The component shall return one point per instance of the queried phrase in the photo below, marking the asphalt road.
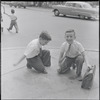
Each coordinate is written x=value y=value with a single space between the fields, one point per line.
x=32 y=21
x=19 y=82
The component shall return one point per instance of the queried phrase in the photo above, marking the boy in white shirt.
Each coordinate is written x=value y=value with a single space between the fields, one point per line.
x=72 y=53
x=13 y=21
x=35 y=56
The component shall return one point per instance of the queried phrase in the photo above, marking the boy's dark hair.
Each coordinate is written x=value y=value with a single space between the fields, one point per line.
x=70 y=30
x=44 y=35
x=12 y=11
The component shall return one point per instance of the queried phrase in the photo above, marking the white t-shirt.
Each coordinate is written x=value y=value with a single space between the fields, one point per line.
x=13 y=17
x=75 y=49
x=33 y=49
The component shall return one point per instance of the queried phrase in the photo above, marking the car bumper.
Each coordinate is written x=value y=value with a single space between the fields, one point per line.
x=95 y=17
x=53 y=10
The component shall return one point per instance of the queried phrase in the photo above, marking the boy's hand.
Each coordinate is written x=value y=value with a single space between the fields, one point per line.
x=89 y=67
x=64 y=54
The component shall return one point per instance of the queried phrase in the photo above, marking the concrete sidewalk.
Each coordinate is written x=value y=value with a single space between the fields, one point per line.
x=22 y=83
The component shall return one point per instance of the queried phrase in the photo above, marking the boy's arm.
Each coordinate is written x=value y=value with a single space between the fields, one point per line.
x=20 y=60
x=86 y=59
x=6 y=14
x=61 y=57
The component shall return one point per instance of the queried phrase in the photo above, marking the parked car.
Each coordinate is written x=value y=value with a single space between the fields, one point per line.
x=17 y=4
x=80 y=9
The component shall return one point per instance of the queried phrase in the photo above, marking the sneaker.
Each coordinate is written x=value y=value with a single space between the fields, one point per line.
x=1 y=29
x=59 y=71
x=45 y=72
x=29 y=67
x=47 y=66
x=79 y=78
x=8 y=29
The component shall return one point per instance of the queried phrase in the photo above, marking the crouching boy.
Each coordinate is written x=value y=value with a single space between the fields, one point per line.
x=72 y=54
x=35 y=56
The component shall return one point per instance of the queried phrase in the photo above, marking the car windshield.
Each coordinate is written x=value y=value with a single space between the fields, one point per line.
x=87 y=6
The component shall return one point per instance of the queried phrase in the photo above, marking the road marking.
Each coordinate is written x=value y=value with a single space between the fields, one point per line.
x=12 y=48
x=12 y=70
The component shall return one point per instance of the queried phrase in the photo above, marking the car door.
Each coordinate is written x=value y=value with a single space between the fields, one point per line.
x=77 y=9
x=67 y=9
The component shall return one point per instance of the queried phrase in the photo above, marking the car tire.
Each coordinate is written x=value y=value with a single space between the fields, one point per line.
x=64 y=15
x=56 y=13
x=19 y=6
x=89 y=18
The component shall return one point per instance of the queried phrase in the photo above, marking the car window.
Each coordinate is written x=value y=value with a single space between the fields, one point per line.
x=78 y=5
x=87 y=6
x=73 y=5
x=69 y=4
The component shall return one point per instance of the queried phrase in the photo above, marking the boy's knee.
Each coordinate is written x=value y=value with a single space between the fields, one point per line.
x=46 y=52
x=80 y=59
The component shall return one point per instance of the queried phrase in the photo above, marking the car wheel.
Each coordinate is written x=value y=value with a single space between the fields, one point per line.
x=19 y=6
x=56 y=12
x=89 y=17
x=64 y=15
